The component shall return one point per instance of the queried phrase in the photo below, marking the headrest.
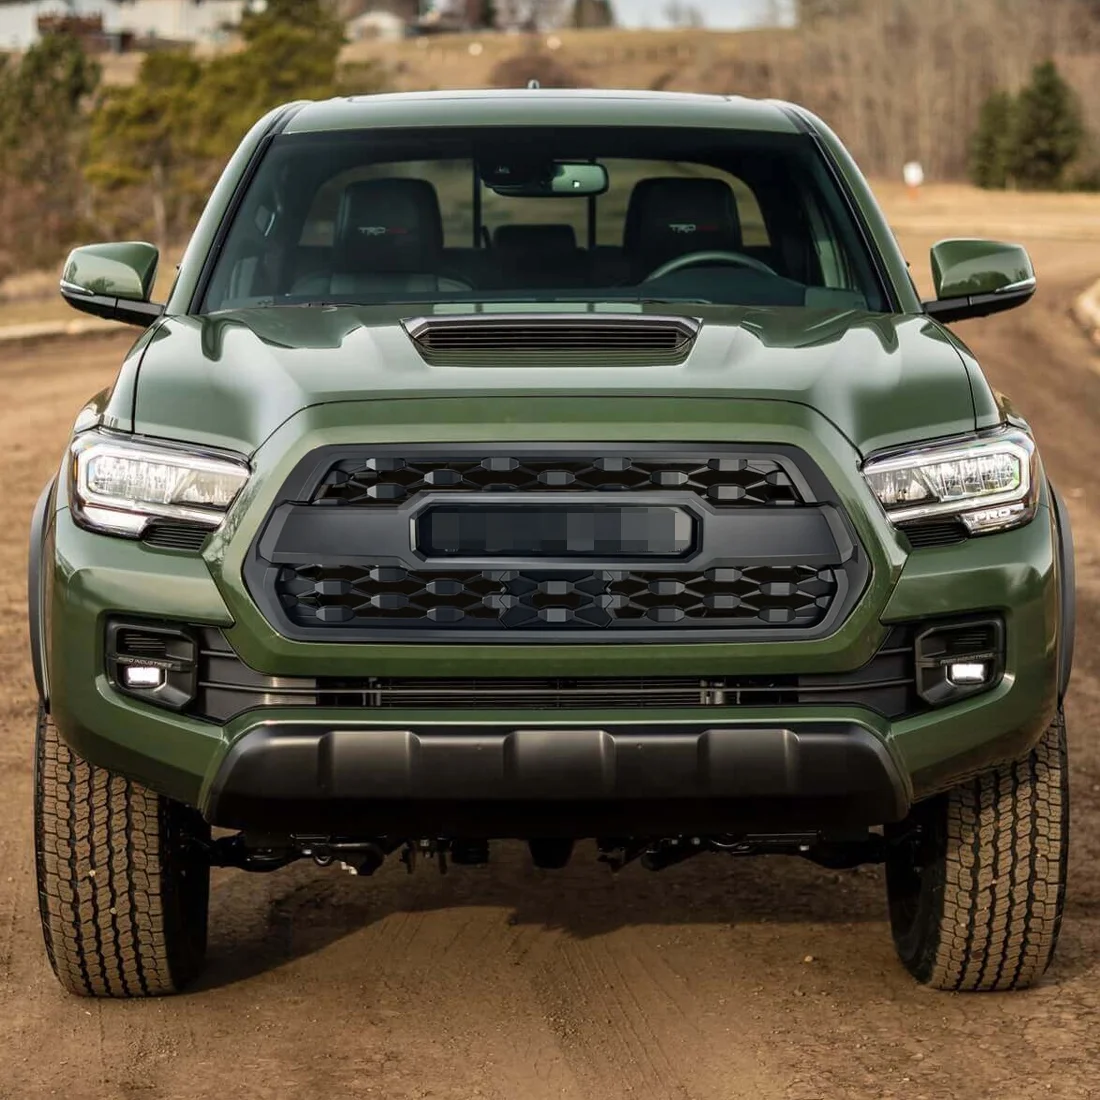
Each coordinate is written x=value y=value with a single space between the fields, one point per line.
x=389 y=225
x=671 y=216
x=535 y=238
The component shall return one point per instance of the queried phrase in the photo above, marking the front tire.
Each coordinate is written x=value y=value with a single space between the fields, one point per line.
x=976 y=877
x=123 y=884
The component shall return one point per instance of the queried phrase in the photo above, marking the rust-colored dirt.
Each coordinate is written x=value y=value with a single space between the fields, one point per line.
x=720 y=980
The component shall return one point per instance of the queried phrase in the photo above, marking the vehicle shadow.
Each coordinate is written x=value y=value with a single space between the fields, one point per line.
x=262 y=922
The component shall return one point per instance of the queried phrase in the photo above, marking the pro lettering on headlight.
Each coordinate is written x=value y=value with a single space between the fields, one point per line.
x=120 y=485
x=986 y=481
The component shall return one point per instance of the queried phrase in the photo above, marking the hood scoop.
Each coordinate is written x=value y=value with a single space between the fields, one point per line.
x=560 y=339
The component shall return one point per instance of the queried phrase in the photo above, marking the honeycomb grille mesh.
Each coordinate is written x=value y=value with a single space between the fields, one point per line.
x=532 y=600
x=725 y=482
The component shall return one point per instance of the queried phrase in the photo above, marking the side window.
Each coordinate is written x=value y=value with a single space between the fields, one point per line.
x=244 y=275
x=832 y=257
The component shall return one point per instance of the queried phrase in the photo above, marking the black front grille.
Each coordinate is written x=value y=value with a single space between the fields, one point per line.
x=721 y=540
x=388 y=480
x=886 y=684
x=512 y=599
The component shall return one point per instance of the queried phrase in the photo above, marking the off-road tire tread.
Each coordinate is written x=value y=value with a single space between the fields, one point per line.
x=998 y=887
x=111 y=894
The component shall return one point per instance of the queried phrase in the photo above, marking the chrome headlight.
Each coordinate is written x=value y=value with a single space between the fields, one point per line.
x=119 y=485
x=988 y=481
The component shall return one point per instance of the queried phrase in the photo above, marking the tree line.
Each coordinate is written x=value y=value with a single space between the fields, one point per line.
x=80 y=160
x=904 y=80
x=1004 y=91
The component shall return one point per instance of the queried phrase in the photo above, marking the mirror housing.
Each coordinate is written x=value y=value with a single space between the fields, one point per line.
x=974 y=278
x=547 y=180
x=113 y=281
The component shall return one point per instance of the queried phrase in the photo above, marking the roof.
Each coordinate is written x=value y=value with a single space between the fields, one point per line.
x=543 y=107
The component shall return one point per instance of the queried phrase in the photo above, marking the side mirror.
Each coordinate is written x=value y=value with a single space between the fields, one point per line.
x=974 y=278
x=113 y=281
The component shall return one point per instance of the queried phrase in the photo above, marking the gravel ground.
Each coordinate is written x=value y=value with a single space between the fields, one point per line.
x=717 y=980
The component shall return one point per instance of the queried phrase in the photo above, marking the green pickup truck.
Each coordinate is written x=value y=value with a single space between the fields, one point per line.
x=551 y=466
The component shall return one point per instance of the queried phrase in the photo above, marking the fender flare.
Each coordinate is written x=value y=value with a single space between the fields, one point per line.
x=36 y=604
x=1068 y=593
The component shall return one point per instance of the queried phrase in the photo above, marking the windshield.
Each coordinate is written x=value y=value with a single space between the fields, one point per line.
x=543 y=215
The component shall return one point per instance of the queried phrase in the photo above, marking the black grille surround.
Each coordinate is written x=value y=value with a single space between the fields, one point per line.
x=886 y=684
x=774 y=555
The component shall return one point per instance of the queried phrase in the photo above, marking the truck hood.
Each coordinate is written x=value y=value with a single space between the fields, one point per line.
x=230 y=379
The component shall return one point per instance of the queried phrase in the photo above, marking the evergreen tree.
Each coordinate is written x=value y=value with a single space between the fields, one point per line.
x=157 y=147
x=42 y=128
x=593 y=13
x=1048 y=133
x=291 y=52
x=991 y=147
x=142 y=146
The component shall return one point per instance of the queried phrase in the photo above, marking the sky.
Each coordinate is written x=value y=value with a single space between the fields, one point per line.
x=719 y=14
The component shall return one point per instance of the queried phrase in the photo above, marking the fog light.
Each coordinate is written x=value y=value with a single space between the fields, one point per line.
x=958 y=659
x=142 y=676
x=968 y=672
x=153 y=661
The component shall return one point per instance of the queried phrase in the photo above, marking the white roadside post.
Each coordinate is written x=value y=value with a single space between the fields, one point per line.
x=913 y=175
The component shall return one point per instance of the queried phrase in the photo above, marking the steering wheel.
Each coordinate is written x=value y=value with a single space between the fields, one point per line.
x=692 y=259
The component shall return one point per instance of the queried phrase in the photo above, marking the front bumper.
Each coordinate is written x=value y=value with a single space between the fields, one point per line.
x=446 y=780
x=876 y=769
x=799 y=770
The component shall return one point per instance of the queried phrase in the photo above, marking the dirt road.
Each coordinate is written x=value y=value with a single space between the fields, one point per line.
x=720 y=980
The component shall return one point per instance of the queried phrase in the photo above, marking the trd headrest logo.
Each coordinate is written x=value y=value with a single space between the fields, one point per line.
x=692 y=227
x=382 y=231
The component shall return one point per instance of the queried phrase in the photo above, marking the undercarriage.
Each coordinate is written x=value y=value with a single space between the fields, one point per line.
x=364 y=856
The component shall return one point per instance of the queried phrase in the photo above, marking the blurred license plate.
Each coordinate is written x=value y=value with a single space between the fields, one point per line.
x=555 y=530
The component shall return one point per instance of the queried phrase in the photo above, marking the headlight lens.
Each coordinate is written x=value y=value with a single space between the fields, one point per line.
x=989 y=482
x=120 y=486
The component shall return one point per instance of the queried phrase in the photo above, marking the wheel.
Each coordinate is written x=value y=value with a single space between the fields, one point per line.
x=123 y=885
x=976 y=878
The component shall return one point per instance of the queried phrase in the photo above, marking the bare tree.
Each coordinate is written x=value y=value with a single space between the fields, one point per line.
x=906 y=79
x=679 y=13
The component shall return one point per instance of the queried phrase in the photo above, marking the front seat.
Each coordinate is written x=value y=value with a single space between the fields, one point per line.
x=388 y=240
x=672 y=216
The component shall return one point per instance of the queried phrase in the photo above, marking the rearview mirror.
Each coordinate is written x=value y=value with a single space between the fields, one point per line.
x=553 y=179
x=113 y=281
x=974 y=278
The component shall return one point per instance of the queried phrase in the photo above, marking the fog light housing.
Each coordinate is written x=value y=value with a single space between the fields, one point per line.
x=155 y=662
x=958 y=659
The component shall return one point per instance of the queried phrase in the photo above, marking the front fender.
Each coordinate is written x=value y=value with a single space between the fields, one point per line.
x=36 y=604
x=1068 y=575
